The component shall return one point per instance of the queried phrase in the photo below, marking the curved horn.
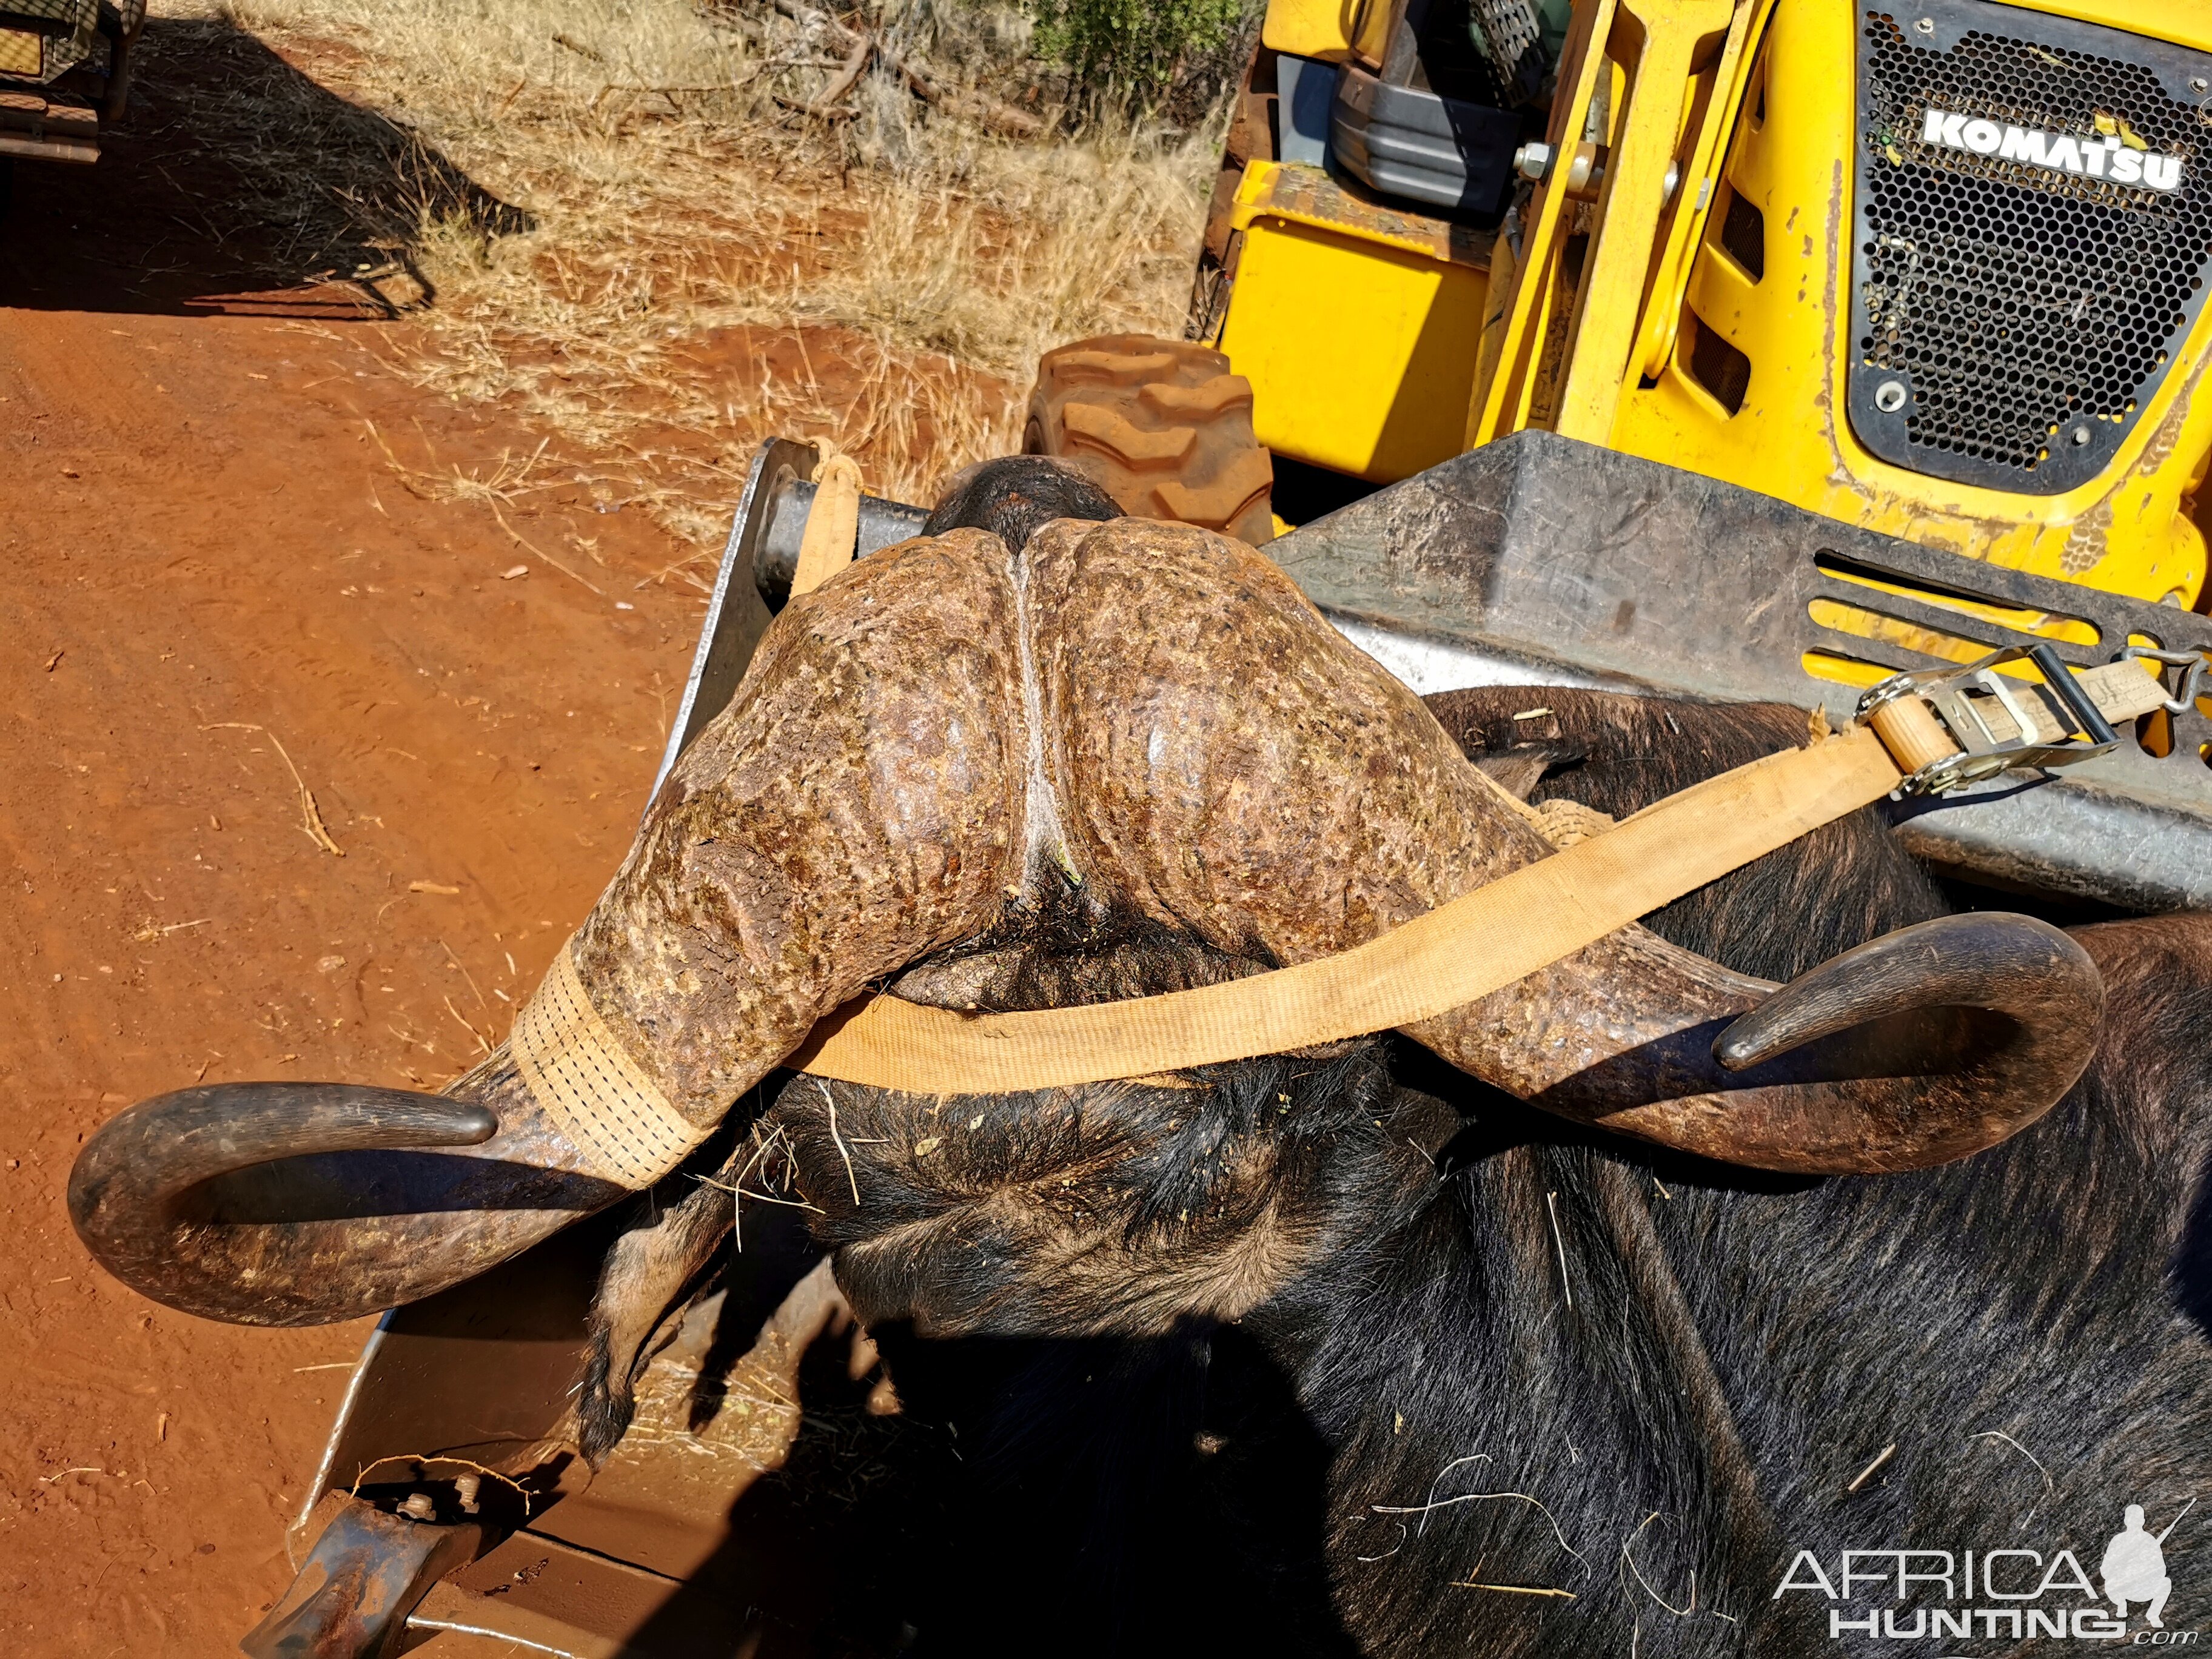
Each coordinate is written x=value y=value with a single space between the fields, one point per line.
x=1915 y=1048
x=138 y=1197
x=875 y=752
x=2006 y=964
x=1293 y=799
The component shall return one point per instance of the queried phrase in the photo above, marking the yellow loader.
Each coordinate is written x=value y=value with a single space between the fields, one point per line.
x=1956 y=296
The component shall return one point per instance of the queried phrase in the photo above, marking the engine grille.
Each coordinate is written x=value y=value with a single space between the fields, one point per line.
x=1515 y=35
x=2012 y=310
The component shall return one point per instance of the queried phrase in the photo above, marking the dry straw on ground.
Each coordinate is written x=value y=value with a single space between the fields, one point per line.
x=604 y=214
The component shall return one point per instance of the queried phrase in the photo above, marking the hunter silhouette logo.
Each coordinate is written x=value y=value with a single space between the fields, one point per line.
x=2007 y=1593
x=2134 y=1568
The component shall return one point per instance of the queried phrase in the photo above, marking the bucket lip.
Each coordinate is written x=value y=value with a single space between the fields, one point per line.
x=297 y=1542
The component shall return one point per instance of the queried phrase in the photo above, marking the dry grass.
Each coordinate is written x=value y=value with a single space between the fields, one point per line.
x=598 y=214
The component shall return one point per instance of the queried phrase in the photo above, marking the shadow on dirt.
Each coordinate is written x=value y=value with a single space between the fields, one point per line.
x=237 y=185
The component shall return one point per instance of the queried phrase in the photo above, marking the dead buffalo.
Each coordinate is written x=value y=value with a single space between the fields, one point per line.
x=1503 y=1335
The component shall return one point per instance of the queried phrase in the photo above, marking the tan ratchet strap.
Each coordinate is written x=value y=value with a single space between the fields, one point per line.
x=1454 y=955
x=588 y=1086
x=1459 y=952
x=625 y=1128
x=833 y=524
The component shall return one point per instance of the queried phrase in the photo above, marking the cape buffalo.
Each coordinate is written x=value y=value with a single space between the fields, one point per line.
x=1533 y=1330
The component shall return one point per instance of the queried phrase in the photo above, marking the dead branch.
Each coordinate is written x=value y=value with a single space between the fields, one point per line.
x=847 y=76
x=820 y=112
x=990 y=112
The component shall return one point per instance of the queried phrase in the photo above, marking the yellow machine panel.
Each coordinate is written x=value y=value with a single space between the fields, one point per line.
x=1754 y=389
x=20 y=53
x=1330 y=30
x=2186 y=23
x=1357 y=325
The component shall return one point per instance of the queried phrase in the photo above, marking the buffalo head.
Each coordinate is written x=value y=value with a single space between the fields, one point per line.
x=1128 y=718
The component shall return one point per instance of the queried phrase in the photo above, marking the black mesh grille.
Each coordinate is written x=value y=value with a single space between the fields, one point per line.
x=2010 y=318
x=1515 y=41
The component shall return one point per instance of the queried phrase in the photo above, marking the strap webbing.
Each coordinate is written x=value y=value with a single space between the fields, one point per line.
x=827 y=541
x=610 y=1109
x=1455 y=954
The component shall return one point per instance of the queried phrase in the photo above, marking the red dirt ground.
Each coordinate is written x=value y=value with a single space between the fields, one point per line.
x=204 y=558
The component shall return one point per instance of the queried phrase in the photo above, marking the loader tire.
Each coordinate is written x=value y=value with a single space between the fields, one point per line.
x=1160 y=425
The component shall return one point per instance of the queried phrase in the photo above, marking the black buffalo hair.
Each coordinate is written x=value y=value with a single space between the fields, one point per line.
x=1017 y=495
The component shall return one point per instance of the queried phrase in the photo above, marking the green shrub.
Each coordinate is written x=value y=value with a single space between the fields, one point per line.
x=1133 y=52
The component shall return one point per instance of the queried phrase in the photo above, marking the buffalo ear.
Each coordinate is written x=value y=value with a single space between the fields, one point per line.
x=1517 y=771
